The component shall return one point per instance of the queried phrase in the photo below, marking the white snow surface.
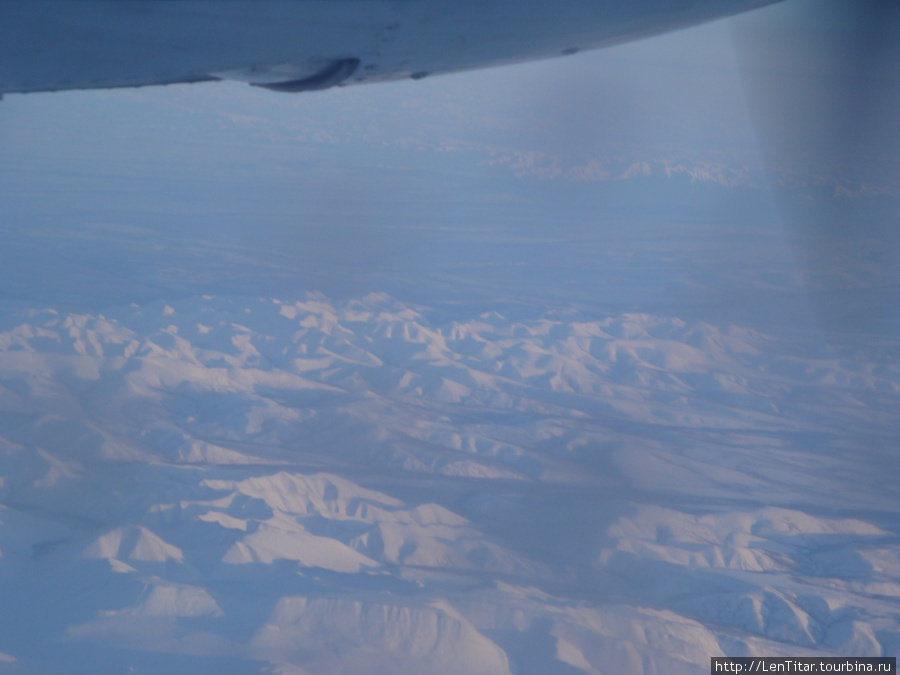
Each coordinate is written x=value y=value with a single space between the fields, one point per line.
x=234 y=485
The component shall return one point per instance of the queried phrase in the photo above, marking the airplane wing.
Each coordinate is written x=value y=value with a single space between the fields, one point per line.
x=301 y=45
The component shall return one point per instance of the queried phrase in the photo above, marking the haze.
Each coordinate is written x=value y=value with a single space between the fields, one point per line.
x=581 y=366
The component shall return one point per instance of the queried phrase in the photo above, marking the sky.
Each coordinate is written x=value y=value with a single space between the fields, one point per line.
x=361 y=175
x=564 y=366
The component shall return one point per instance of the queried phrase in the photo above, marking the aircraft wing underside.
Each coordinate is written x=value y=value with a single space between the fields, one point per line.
x=300 y=45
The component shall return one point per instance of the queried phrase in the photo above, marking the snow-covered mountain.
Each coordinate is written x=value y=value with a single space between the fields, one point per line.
x=227 y=484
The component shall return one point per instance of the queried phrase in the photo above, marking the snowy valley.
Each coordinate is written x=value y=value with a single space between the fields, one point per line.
x=310 y=485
